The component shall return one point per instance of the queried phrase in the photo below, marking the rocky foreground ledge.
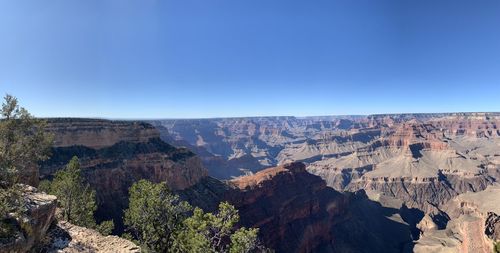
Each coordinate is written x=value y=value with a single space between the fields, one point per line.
x=31 y=227
x=38 y=231
x=68 y=238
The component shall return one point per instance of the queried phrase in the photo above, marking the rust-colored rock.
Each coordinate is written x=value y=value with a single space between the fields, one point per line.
x=97 y=133
x=297 y=212
x=294 y=210
x=115 y=154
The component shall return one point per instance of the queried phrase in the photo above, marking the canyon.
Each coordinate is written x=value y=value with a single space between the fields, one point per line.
x=415 y=163
x=115 y=154
x=422 y=159
x=379 y=183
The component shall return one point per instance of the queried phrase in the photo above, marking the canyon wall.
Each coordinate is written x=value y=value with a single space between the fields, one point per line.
x=115 y=154
x=363 y=179
x=297 y=212
x=473 y=227
x=422 y=159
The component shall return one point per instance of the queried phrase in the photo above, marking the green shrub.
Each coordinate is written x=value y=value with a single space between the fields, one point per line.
x=75 y=198
x=158 y=221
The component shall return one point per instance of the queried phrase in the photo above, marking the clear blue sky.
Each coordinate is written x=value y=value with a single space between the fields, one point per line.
x=207 y=58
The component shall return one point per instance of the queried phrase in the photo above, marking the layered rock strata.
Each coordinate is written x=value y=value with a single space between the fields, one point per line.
x=297 y=212
x=473 y=227
x=114 y=155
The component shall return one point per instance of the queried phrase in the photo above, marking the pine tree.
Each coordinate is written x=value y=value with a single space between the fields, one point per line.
x=207 y=232
x=23 y=143
x=155 y=215
x=157 y=219
x=75 y=198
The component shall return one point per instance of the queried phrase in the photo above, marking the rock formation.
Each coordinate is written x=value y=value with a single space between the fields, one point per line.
x=36 y=230
x=294 y=209
x=391 y=178
x=30 y=228
x=115 y=154
x=297 y=212
x=67 y=238
x=473 y=227
x=422 y=159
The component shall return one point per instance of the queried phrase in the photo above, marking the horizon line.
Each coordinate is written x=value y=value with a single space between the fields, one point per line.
x=495 y=113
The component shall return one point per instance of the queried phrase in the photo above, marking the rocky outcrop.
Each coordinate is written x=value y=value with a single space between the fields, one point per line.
x=97 y=133
x=297 y=212
x=461 y=235
x=294 y=210
x=262 y=141
x=473 y=227
x=422 y=160
x=114 y=155
x=29 y=229
x=64 y=237
x=418 y=161
x=492 y=225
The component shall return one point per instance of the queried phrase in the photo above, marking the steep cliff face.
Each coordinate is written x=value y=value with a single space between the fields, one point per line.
x=473 y=227
x=96 y=133
x=115 y=154
x=29 y=229
x=297 y=212
x=422 y=159
x=262 y=141
x=294 y=209
x=422 y=162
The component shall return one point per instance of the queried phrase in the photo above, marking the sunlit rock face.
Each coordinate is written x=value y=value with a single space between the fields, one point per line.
x=96 y=133
x=423 y=159
x=473 y=227
x=297 y=212
x=32 y=225
x=65 y=237
x=294 y=209
x=115 y=154
x=419 y=161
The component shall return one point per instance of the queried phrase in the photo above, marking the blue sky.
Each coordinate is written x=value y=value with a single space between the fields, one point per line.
x=217 y=58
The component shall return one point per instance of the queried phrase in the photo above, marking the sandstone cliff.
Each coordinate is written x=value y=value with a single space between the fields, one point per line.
x=115 y=154
x=297 y=212
x=419 y=161
x=294 y=209
x=473 y=227
x=422 y=159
